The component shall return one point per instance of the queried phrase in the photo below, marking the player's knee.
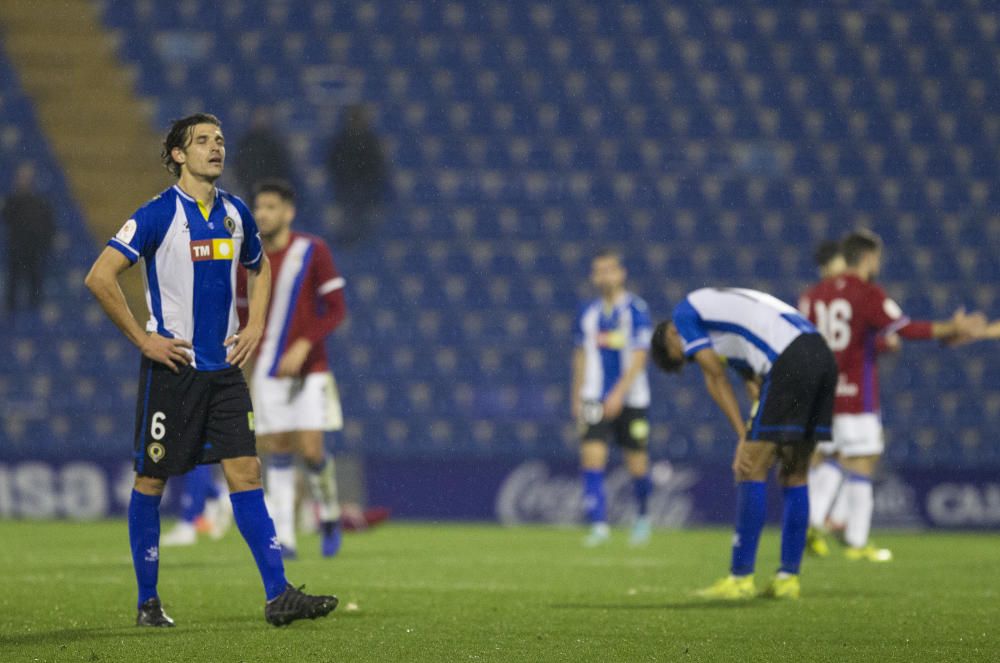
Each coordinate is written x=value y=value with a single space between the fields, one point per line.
x=242 y=473
x=593 y=456
x=149 y=485
x=793 y=476
x=638 y=463
x=313 y=457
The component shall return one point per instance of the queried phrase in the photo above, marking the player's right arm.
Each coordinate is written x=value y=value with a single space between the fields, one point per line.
x=720 y=388
x=102 y=281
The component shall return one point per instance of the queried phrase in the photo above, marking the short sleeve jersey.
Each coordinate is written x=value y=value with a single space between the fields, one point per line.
x=609 y=335
x=748 y=327
x=189 y=256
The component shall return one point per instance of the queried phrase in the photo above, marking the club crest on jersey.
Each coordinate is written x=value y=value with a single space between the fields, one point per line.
x=229 y=224
x=156 y=451
x=212 y=249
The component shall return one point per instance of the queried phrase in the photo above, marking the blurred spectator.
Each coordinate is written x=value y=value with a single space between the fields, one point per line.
x=262 y=153
x=30 y=229
x=358 y=172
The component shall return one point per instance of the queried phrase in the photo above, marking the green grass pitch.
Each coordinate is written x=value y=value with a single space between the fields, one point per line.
x=484 y=593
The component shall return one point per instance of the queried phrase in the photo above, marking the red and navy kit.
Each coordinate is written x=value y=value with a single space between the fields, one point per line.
x=854 y=315
x=307 y=301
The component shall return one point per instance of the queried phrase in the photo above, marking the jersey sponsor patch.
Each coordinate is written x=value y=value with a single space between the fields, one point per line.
x=212 y=249
x=127 y=231
x=613 y=340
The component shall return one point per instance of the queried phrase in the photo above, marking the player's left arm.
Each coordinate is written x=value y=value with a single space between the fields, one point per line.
x=329 y=286
x=243 y=344
x=614 y=403
x=885 y=315
x=640 y=337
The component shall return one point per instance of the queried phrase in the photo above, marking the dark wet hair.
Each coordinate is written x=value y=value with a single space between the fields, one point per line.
x=660 y=354
x=180 y=136
x=282 y=188
x=826 y=251
x=609 y=252
x=859 y=243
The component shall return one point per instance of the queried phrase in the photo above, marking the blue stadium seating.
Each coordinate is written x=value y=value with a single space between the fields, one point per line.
x=56 y=357
x=715 y=142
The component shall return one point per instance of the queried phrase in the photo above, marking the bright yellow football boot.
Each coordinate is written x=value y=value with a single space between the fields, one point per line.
x=730 y=588
x=816 y=544
x=782 y=587
x=868 y=553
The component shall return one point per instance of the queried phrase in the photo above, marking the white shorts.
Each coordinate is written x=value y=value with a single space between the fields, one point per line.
x=855 y=435
x=282 y=405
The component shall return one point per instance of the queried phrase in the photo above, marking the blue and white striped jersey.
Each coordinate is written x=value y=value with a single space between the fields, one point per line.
x=748 y=327
x=189 y=258
x=609 y=336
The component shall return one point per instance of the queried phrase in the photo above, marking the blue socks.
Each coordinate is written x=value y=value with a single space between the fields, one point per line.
x=257 y=529
x=643 y=487
x=793 y=528
x=594 y=501
x=751 y=509
x=144 y=539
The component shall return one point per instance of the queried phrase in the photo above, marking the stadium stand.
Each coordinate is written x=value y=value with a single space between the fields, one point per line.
x=715 y=143
x=66 y=377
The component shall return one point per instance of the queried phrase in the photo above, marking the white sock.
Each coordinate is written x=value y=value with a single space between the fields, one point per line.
x=824 y=481
x=322 y=482
x=838 y=513
x=281 y=498
x=860 y=504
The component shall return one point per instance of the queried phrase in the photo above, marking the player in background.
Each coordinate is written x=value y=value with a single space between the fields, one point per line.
x=852 y=311
x=761 y=337
x=827 y=502
x=193 y=404
x=203 y=510
x=610 y=393
x=294 y=391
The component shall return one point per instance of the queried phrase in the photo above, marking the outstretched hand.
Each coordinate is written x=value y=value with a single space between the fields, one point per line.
x=969 y=327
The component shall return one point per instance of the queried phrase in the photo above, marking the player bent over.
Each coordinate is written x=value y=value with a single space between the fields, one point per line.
x=610 y=393
x=762 y=336
x=293 y=388
x=193 y=403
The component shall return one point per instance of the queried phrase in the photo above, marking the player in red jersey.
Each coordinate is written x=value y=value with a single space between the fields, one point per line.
x=827 y=502
x=294 y=393
x=852 y=312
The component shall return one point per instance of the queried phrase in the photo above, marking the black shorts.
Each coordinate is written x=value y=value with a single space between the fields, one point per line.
x=796 y=399
x=630 y=429
x=190 y=418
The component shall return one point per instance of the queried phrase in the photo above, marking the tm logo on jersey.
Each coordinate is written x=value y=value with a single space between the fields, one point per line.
x=212 y=249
